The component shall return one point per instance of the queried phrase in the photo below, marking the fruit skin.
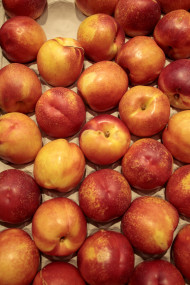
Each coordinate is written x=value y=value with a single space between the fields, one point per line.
x=20 y=196
x=20 y=88
x=19 y=257
x=106 y=258
x=168 y=6
x=58 y=272
x=142 y=59
x=89 y=7
x=20 y=138
x=137 y=18
x=100 y=36
x=104 y=139
x=33 y=9
x=21 y=38
x=181 y=251
x=104 y=195
x=172 y=34
x=177 y=190
x=102 y=85
x=174 y=82
x=67 y=65
x=145 y=110
x=176 y=136
x=151 y=159
x=156 y=272
x=60 y=112
x=59 y=165
x=149 y=224
x=59 y=227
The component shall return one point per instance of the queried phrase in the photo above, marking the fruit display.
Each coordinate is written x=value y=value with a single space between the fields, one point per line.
x=94 y=142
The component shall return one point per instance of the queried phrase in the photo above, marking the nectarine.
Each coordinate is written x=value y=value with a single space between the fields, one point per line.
x=21 y=38
x=20 y=88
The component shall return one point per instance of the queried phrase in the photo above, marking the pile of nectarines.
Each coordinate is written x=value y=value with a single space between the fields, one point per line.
x=95 y=142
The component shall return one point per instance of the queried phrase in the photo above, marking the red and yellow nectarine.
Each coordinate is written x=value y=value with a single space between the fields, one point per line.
x=59 y=227
x=20 y=138
x=20 y=88
x=60 y=112
x=67 y=63
x=21 y=38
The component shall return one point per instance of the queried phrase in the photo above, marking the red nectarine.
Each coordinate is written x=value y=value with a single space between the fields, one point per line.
x=21 y=38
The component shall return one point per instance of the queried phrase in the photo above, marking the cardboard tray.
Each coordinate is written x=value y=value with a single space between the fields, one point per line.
x=61 y=19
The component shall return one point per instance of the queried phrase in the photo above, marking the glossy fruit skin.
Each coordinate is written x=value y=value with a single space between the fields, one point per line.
x=104 y=195
x=106 y=258
x=33 y=9
x=181 y=251
x=177 y=190
x=142 y=59
x=137 y=18
x=149 y=225
x=59 y=165
x=172 y=34
x=20 y=88
x=59 y=227
x=145 y=110
x=176 y=136
x=20 y=196
x=89 y=7
x=111 y=136
x=168 y=6
x=21 y=138
x=150 y=158
x=19 y=257
x=68 y=61
x=58 y=272
x=101 y=37
x=154 y=272
x=173 y=81
x=60 y=112
x=21 y=38
x=102 y=85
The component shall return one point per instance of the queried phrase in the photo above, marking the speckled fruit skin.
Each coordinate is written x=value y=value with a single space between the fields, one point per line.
x=20 y=138
x=102 y=85
x=58 y=272
x=174 y=82
x=178 y=190
x=20 y=196
x=106 y=258
x=67 y=65
x=104 y=139
x=60 y=112
x=172 y=34
x=59 y=165
x=89 y=7
x=150 y=161
x=176 y=136
x=20 y=88
x=21 y=38
x=100 y=36
x=142 y=59
x=149 y=224
x=145 y=110
x=19 y=257
x=181 y=251
x=137 y=18
x=33 y=9
x=59 y=227
x=104 y=195
x=156 y=272
x=168 y=6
